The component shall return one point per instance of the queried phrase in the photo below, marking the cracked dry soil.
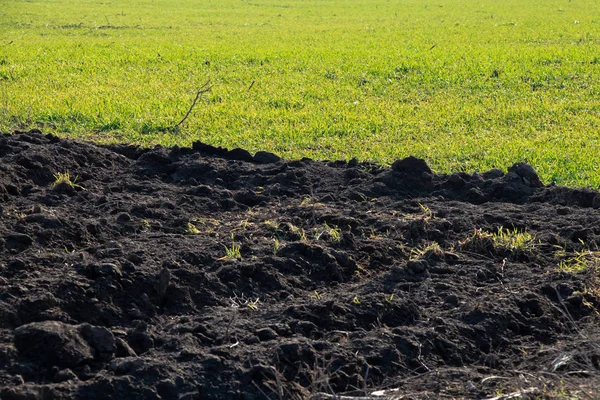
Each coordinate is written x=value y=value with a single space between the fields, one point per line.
x=203 y=273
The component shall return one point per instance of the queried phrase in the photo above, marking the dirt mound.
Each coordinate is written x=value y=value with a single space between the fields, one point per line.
x=207 y=273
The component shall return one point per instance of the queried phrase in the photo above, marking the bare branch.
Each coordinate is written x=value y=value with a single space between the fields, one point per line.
x=203 y=89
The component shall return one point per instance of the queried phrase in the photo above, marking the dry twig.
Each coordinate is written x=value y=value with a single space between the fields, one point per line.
x=203 y=89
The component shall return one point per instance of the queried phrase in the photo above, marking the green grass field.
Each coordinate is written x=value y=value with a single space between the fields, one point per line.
x=465 y=84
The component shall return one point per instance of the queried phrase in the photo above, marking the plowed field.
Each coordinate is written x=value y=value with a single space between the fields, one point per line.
x=206 y=273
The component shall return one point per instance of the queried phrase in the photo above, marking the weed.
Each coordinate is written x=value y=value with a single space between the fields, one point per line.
x=208 y=225
x=480 y=242
x=302 y=235
x=146 y=225
x=560 y=252
x=424 y=216
x=232 y=253
x=12 y=211
x=297 y=231
x=65 y=179
x=426 y=212
x=332 y=234
x=243 y=226
x=582 y=260
x=308 y=201
x=432 y=251
x=503 y=241
x=276 y=246
x=192 y=229
x=336 y=234
x=237 y=302
x=272 y=224
x=514 y=241
x=370 y=233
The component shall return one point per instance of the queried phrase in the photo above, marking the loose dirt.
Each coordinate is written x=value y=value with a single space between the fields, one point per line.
x=204 y=273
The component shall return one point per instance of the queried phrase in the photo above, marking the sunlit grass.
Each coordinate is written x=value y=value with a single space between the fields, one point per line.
x=467 y=85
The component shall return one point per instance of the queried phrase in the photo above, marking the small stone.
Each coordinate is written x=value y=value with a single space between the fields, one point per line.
x=212 y=362
x=476 y=178
x=84 y=372
x=43 y=301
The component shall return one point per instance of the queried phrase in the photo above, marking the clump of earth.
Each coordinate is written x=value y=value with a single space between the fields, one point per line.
x=207 y=273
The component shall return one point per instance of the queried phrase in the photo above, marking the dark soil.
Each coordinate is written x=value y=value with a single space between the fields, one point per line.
x=351 y=278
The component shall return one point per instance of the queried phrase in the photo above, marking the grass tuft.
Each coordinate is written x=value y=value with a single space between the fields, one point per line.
x=232 y=253
x=64 y=179
x=192 y=229
x=582 y=260
x=505 y=242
